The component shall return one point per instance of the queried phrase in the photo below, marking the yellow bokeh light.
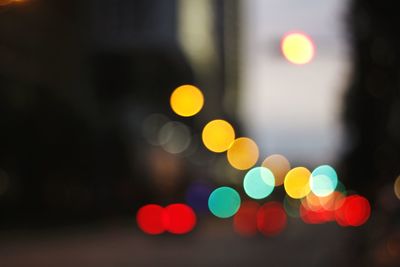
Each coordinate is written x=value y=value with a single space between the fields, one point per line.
x=279 y=165
x=243 y=153
x=397 y=187
x=218 y=135
x=187 y=100
x=298 y=48
x=297 y=182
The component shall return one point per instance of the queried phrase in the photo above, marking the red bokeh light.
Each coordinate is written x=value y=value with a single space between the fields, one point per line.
x=245 y=220
x=151 y=219
x=315 y=216
x=271 y=218
x=180 y=219
x=355 y=211
x=339 y=215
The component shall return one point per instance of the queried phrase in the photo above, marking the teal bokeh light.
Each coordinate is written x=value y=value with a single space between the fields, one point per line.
x=323 y=180
x=259 y=183
x=224 y=202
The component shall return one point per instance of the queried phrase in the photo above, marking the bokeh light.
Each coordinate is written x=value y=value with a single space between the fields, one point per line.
x=317 y=216
x=279 y=165
x=245 y=220
x=259 y=183
x=224 y=202
x=297 y=182
x=292 y=206
x=356 y=210
x=332 y=201
x=197 y=196
x=243 y=153
x=339 y=213
x=180 y=218
x=323 y=180
x=151 y=127
x=298 y=48
x=271 y=218
x=397 y=187
x=187 y=100
x=151 y=219
x=174 y=137
x=311 y=201
x=218 y=135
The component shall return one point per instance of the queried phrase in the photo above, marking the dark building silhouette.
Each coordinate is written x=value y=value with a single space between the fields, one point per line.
x=372 y=104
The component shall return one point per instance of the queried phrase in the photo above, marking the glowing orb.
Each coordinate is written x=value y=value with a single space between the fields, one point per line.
x=259 y=183
x=356 y=210
x=323 y=180
x=151 y=128
x=332 y=201
x=292 y=206
x=224 y=202
x=397 y=187
x=197 y=196
x=174 y=137
x=271 y=219
x=317 y=216
x=243 y=153
x=298 y=48
x=279 y=165
x=151 y=219
x=218 y=135
x=297 y=182
x=187 y=100
x=245 y=220
x=180 y=219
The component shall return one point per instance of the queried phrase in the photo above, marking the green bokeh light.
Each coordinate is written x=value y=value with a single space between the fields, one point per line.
x=292 y=206
x=224 y=202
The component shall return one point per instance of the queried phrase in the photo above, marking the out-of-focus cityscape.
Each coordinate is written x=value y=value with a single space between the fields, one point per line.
x=199 y=133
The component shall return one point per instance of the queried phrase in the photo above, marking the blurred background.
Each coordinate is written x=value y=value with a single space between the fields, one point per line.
x=84 y=102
